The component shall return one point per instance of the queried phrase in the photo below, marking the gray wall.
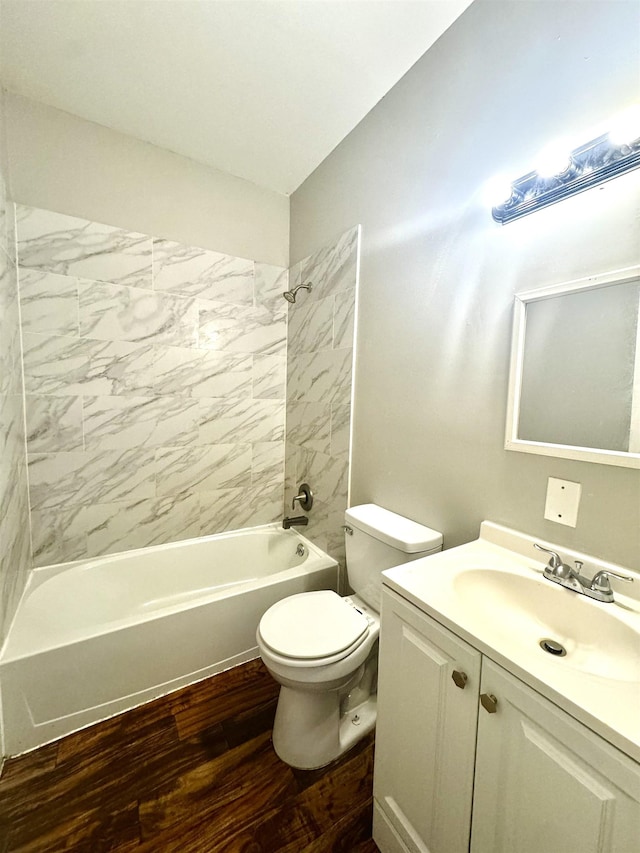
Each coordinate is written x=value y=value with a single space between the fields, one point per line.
x=61 y=162
x=437 y=275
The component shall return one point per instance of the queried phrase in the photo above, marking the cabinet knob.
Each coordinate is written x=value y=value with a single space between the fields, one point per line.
x=489 y=702
x=459 y=678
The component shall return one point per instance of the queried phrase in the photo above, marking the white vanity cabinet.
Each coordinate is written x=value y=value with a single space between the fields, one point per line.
x=456 y=772
x=425 y=733
x=545 y=782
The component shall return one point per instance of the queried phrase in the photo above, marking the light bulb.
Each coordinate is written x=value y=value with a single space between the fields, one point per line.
x=497 y=190
x=625 y=127
x=554 y=159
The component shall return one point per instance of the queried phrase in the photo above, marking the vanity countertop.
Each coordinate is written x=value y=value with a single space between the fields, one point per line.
x=492 y=593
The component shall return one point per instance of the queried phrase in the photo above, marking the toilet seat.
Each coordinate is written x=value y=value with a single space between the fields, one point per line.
x=313 y=627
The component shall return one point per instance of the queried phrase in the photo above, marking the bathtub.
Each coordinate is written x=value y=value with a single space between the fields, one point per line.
x=94 y=638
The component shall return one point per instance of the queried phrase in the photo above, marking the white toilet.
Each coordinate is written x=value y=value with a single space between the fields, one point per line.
x=323 y=649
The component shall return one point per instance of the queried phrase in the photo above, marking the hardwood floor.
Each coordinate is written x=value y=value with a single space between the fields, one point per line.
x=193 y=772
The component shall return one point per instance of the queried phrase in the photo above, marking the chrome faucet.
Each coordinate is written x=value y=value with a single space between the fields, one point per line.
x=556 y=569
x=597 y=588
x=297 y=520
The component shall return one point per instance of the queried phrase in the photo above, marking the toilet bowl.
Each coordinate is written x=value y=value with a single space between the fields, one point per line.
x=323 y=648
x=323 y=657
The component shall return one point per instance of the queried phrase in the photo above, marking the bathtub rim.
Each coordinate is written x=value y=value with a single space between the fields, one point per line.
x=39 y=575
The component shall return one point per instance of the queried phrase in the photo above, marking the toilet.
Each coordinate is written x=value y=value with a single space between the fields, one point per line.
x=323 y=649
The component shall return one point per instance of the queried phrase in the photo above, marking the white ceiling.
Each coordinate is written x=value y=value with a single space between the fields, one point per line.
x=262 y=89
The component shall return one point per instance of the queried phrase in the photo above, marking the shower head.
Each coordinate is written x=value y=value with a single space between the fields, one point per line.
x=290 y=295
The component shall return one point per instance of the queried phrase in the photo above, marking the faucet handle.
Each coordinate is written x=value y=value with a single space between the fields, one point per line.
x=304 y=497
x=555 y=561
x=601 y=583
x=556 y=566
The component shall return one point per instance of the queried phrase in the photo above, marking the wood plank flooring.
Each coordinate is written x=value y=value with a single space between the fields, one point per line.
x=193 y=772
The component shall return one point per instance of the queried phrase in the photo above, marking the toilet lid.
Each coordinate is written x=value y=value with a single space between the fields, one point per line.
x=312 y=625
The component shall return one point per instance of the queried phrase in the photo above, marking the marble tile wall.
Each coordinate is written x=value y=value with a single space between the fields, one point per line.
x=15 y=548
x=319 y=380
x=155 y=387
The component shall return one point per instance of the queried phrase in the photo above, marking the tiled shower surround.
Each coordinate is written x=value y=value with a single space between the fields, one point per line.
x=155 y=378
x=155 y=387
x=15 y=555
x=319 y=379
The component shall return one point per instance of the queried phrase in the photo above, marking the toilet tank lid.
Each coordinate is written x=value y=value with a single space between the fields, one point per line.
x=393 y=529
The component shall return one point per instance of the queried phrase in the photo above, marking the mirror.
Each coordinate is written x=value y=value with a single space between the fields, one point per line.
x=574 y=387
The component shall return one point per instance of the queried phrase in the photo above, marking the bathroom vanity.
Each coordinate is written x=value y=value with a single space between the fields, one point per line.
x=488 y=742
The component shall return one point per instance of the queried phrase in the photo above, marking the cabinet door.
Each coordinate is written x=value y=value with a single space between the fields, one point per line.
x=544 y=782
x=425 y=735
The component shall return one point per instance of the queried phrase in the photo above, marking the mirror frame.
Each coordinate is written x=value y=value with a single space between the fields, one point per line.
x=563 y=451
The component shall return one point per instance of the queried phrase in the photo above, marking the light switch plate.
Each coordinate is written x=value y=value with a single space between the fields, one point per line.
x=563 y=501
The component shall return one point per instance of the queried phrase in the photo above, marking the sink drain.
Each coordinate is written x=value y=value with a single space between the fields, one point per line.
x=553 y=648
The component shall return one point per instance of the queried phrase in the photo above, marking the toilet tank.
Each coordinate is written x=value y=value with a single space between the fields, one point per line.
x=379 y=540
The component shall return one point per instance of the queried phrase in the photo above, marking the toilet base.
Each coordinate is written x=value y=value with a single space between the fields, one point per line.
x=309 y=730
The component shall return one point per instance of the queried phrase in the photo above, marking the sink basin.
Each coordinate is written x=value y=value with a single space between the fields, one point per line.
x=522 y=610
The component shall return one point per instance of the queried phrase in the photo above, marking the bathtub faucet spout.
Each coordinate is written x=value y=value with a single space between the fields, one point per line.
x=298 y=520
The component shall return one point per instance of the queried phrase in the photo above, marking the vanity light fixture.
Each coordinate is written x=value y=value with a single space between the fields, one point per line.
x=559 y=175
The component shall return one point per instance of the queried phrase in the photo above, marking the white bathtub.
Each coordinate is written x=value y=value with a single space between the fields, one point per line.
x=97 y=637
